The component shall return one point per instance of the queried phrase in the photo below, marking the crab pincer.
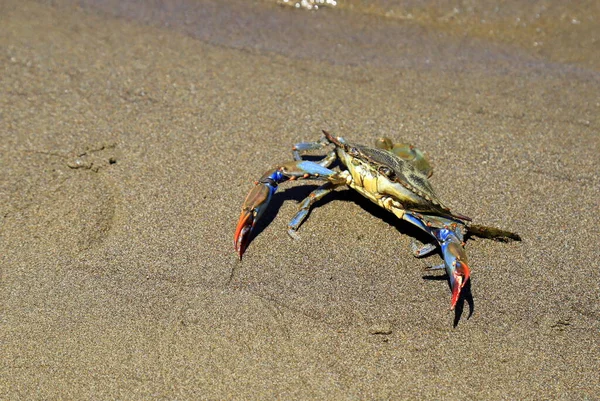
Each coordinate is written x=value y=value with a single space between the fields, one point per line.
x=455 y=261
x=449 y=235
x=254 y=206
x=260 y=195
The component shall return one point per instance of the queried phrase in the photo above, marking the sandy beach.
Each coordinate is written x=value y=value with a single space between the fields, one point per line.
x=131 y=133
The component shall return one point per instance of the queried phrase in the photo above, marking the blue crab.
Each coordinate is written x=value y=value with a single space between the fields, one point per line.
x=393 y=176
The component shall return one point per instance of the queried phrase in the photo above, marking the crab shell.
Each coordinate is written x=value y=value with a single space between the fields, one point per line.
x=380 y=173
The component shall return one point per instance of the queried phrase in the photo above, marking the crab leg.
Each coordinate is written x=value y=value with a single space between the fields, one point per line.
x=260 y=195
x=307 y=146
x=451 y=244
x=305 y=206
x=424 y=250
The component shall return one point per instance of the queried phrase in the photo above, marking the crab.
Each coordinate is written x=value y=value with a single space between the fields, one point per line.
x=393 y=176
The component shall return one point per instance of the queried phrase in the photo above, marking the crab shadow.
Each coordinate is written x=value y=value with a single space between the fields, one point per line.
x=465 y=297
x=299 y=193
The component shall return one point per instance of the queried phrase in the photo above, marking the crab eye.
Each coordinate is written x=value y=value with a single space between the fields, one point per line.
x=385 y=171
x=353 y=151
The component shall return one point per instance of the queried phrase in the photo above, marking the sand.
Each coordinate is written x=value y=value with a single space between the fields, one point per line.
x=131 y=133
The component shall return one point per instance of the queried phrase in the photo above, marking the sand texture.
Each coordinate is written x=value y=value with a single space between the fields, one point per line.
x=130 y=133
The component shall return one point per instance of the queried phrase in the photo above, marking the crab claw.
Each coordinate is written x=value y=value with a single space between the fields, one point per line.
x=455 y=261
x=255 y=204
x=458 y=278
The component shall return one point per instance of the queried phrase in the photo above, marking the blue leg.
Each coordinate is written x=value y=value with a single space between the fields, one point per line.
x=308 y=146
x=418 y=221
x=437 y=267
x=424 y=250
x=330 y=158
x=305 y=206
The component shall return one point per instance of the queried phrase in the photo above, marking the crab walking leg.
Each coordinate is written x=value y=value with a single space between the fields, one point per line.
x=455 y=257
x=424 y=250
x=307 y=146
x=327 y=160
x=324 y=162
x=260 y=195
x=305 y=206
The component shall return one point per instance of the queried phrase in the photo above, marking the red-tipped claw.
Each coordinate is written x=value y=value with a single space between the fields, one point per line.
x=255 y=204
x=460 y=275
x=242 y=232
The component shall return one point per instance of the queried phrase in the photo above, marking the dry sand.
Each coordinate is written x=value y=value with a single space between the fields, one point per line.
x=130 y=135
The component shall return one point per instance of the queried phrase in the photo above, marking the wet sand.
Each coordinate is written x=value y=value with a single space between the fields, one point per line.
x=129 y=141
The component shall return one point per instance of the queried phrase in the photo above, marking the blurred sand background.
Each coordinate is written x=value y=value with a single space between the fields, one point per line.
x=131 y=132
